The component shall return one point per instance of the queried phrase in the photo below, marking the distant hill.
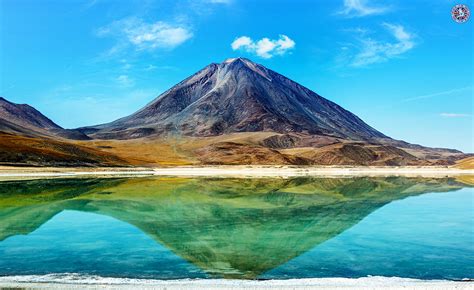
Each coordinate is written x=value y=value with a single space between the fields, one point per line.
x=27 y=137
x=23 y=119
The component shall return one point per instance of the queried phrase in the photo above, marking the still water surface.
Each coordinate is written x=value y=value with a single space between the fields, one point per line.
x=172 y=228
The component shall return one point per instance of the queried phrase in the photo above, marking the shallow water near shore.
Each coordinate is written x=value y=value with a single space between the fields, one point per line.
x=177 y=228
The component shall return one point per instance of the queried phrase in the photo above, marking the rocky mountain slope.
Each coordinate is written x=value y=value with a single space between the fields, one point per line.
x=237 y=95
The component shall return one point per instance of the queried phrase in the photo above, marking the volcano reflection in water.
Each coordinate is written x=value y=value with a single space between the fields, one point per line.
x=169 y=228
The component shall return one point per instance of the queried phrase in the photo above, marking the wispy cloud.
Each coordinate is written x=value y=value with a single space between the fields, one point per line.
x=150 y=67
x=135 y=32
x=360 y=8
x=454 y=115
x=452 y=93
x=443 y=93
x=375 y=51
x=125 y=81
x=265 y=47
x=201 y=8
x=90 y=3
x=356 y=30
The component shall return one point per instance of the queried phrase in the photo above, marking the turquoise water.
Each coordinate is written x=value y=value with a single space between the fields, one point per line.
x=172 y=228
x=428 y=237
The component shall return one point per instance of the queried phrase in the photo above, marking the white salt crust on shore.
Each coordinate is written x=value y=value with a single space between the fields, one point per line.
x=76 y=281
x=234 y=171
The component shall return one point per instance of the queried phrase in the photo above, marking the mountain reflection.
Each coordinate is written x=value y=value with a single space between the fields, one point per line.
x=232 y=228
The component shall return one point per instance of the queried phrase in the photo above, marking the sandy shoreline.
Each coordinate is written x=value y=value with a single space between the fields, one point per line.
x=94 y=282
x=232 y=171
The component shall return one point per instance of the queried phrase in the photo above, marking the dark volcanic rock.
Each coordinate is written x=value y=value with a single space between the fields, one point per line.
x=238 y=96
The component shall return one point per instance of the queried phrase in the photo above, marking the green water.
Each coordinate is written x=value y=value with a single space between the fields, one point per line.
x=171 y=228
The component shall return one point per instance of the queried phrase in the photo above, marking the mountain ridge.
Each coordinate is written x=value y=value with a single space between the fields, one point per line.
x=237 y=95
x=25 y=120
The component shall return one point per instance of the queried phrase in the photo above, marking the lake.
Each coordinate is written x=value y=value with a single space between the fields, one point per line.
x=234 y=228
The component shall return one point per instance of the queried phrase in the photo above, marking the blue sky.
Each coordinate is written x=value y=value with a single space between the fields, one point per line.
x=405 y=67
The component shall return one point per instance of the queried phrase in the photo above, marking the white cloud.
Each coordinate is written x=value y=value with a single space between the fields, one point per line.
x=264 y=47
x=158 y=34
x=375 y=51
x=243 y=41
x=359 y=8
x=454 y=115
x=145 y=36
x=285 y=43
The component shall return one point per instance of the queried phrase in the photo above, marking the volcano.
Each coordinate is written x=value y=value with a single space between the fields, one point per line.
x=238 y=95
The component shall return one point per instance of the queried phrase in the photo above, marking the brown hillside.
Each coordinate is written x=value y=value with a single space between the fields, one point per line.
x=20 y=150
x=466 y=163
